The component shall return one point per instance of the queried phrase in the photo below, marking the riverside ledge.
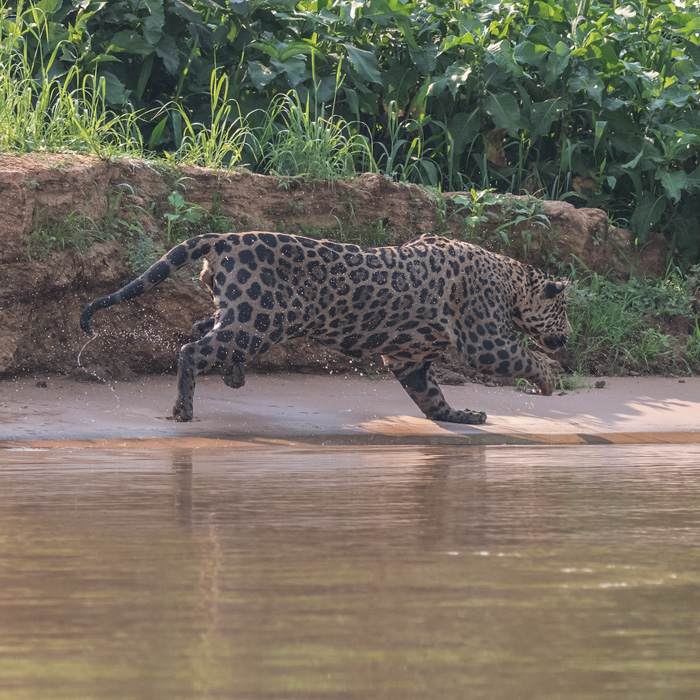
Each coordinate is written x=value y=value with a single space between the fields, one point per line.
x=340 y=410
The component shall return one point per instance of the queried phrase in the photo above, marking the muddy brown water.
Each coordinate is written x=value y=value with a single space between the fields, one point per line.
x=341 y=573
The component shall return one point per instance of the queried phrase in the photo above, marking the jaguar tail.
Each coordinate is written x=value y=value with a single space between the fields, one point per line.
x=174 y=259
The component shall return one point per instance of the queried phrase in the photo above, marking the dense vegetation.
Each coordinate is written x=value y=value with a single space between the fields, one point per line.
x=594 y=101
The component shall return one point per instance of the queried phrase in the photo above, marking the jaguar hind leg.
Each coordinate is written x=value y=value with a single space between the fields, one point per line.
x=232 y=374
x=196 y=357
x=201 y=328
x=418 y=379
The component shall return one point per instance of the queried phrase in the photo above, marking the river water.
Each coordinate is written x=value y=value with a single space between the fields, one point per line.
x=312 y=573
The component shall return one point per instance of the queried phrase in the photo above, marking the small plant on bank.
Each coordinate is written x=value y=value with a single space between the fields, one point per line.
x=569 y=382
x=216 y=220
x=142 y=251
x=692 y=346
x=525 y=386
x=183 y=217
x=77 y=231
x=481 y=212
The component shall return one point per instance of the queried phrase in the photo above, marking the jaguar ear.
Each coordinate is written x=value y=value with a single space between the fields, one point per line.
x=552 y=288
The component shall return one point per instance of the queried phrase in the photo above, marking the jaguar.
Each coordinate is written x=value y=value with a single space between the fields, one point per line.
x=407 y=303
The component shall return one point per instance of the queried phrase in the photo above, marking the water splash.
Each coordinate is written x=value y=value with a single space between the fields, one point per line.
x=85 y=369
x=94 y=374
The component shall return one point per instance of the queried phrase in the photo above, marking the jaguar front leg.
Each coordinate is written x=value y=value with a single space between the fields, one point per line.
x=520 y=361
x=418 y=379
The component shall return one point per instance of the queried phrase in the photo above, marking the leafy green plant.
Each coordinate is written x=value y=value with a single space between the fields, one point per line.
x=182 y=218
x=692 y=346
x=493 y=220
x=569 y=382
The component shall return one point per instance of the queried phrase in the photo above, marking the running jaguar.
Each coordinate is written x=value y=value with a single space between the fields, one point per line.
x=406 y=303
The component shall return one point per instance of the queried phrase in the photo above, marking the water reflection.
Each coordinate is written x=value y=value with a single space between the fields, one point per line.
x=383 y=572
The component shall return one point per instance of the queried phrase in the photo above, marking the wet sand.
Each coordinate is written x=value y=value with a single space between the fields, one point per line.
x=349 y=409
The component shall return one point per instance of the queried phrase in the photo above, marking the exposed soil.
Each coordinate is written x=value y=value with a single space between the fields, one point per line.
x=43 y=292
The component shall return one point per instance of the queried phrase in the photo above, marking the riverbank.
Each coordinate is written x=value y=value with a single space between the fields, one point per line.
x=344 y=409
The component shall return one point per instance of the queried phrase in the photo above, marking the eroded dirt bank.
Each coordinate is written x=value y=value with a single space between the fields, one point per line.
x=113 y=211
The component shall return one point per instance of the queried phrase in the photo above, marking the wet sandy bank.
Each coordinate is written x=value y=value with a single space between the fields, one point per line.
x=347 y=409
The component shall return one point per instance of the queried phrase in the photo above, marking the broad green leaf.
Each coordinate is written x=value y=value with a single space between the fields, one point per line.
x=170 y=55
x=260 y=75
x=406 y=29
x=102 y=58
x=505 y=112
x=115 y=90
x=294 y=69
x=677 y=95
x=298 y=48
x=647 y=214
x=144 y=76
x=590 y=83
x=614 y=104
x=600 y=127
x=271 y=51
x=449 y=42
x=365 y=63
x=240 y=8
x=549 y=11
x=463 y=128
x=502 y=54
x=187 y=12
x=454 y=78
x=530 y=54
x=399 y=82
x=353 y=101
x=543 y=115
x=131 y=42
x=48 y=6
x=673 y=182
x=685 y=24
x=157 y=133
x=557 y=62
x=153 y=24
x=425 y=59
x=632 y=164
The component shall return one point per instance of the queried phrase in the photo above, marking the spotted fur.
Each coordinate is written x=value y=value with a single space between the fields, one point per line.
x=406 y=303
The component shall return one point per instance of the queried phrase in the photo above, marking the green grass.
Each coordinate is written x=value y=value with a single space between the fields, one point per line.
x=293 y=143
x=77 y=231
x=222 y=143
x=45 y=109
x=622 y=327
